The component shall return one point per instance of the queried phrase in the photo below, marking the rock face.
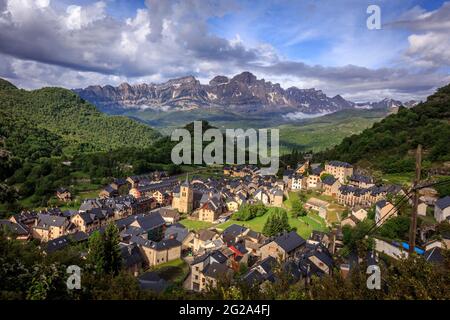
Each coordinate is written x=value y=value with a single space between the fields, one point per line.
x=242 y=93
x=386 y=104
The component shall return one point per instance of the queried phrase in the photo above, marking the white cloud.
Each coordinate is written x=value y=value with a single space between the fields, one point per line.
x=46 y=44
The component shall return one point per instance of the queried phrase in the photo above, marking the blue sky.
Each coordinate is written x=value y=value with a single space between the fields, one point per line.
x=309 y=43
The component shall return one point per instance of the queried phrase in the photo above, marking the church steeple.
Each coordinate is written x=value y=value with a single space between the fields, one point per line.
x=186 y=182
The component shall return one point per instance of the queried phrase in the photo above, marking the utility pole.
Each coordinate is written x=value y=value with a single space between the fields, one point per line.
x=412 y=230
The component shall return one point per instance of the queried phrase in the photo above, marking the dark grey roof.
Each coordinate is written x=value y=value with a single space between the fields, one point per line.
x=78 y=236
x=253 y=234
x=170 y=213
x=361 y=178
x=86 y=217
x=166 y=244
x=348 y=189
x=46 y=220
x=290 y=241
x=205 y=234
x=322 y=254
x=443 y=203
x=132 y=231
x=150 y=221
x=253 y=277
x=215 y=270
x=176 y=231
x=381 y=204
x=329 y=180
x=131 y=255
x=216 y=255
x=110 y=189
x=317 y=171
x=340 y=164
x=288 y=172
x=15 y=228
x=56 y=244
x=434 y=255
x=233 y=231
x=268 y=263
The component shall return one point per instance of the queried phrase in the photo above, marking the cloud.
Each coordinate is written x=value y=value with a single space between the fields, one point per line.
x=43 y=43
x=429 y=45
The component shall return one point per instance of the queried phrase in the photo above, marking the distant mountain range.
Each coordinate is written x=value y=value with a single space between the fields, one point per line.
x=243 y=93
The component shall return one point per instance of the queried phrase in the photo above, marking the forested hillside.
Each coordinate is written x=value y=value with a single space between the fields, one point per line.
x=49 y=121
x=51 y=138
x=388 y=144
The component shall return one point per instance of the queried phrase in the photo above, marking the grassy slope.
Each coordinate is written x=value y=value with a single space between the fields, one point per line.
x=324 y=132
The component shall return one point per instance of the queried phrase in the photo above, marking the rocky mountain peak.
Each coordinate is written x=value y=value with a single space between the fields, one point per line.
x=242 y=93
x=245 y=77
x=218 y=80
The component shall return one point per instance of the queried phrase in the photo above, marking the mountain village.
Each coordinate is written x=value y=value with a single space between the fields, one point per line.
x=158 y=217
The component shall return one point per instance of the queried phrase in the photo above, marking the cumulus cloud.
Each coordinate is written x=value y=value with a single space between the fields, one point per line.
x=77 y=45
x=429 y=45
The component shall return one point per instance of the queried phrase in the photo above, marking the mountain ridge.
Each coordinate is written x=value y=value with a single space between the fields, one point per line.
x=242 y=93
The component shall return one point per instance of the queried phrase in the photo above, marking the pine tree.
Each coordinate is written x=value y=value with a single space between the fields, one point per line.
x=96 y=253
x=276 y=223
x=112 y=255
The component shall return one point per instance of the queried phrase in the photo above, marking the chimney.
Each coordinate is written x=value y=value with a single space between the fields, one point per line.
x=345 y=270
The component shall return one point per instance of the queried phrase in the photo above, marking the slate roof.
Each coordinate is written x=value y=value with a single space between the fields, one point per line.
x=86 y=217
x=15 y=228
x=253 y=277
x=160 y=245
x=56 y=244
x=335 y=163
x=317 y=171
x=348 y=189
x=215 y=270
x=169 y=213
x=289 y=241
x=150 y=221
x=268 y=263
x=233 y=231
x=130 y=254
x=46 y=220
x=205 y=235
x=288 y=173
x=361 y=178
x=329 y=180
x=434 y=255
x=216 y=255
x=443 y=203
x=176 y=231
x=166 y=244
x=381 y=204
